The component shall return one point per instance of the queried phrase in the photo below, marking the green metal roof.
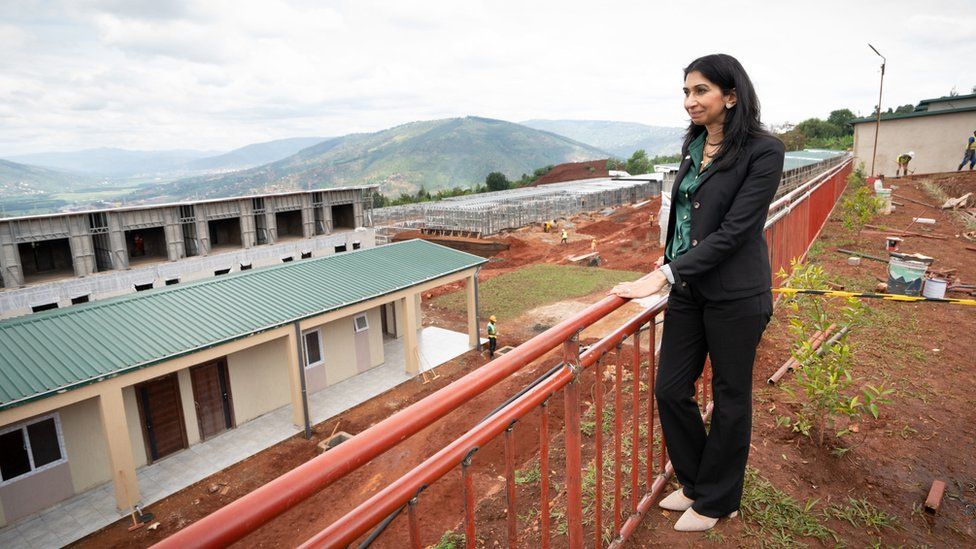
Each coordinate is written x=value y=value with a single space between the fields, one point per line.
x=893 y=116
x=63 y=349
x=946 y=99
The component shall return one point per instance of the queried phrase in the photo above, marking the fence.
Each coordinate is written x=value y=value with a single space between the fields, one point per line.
x=795 y=220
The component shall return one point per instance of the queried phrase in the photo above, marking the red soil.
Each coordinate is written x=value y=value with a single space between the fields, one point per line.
x=572 y=171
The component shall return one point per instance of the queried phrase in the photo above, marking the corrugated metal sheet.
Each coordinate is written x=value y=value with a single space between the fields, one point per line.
x=56 y=350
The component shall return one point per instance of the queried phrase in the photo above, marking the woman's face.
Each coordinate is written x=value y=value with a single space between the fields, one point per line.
x=704 y=100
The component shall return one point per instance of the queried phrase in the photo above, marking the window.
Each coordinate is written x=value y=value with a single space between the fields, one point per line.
x=219 y=272
x=172 y=281
x=80 y=299
x=340 y=249
x=245 y=266
x=356 y=245
x=144 y=287
x=306 y=255
x=44 y=307
x=361 y=323
x=30 y=447
x=313 y=348
x=287 y=258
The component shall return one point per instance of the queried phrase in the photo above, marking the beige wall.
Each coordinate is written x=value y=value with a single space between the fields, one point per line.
x=135 y=426
x=84 y=443
x=259 y=379
x=938 y=142
x=339 y=350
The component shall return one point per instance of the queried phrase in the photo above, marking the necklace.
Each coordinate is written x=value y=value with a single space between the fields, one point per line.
x=713 y=144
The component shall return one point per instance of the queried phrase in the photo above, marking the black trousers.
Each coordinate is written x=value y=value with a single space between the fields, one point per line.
x=710 y=467
x=492 y=345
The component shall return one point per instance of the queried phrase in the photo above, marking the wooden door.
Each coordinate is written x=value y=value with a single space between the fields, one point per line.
x=162 y=416
x=211 y=396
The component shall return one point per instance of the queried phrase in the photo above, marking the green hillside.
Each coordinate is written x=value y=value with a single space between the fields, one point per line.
x=30 y=189
x=436 y=154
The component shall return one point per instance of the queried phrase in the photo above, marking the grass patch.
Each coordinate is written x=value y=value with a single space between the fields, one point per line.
x=860 y=513
x=450 y=540
x=528 y=475
x=514 y=293
x=778 y=519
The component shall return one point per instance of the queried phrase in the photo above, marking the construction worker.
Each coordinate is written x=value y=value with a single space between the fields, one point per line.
x=903 y=160
x=492 y=337
x=545 y=227
x=565 y=237
x=593 y=245
x=970 y=154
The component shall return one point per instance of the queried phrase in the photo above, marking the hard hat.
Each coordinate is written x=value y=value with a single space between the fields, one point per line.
x=491 y=318
x=911 y=154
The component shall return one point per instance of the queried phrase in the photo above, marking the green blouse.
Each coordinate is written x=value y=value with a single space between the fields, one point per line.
x=682 y=200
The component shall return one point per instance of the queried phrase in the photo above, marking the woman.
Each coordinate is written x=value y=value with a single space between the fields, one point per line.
x=720 y=302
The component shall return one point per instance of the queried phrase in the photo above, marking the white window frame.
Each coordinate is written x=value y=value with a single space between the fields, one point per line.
x=318 y=334
x=355 y=323
x=22 y=426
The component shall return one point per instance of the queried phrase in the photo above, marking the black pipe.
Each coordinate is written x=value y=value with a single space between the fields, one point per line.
x=526 y=389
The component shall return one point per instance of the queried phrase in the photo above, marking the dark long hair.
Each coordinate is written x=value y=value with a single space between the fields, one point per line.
x=742 y=120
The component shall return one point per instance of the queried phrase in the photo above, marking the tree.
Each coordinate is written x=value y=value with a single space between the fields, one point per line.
x=840 y=119
x=616 y=164
x=817 y=128
x=496 y=181
x=638 y=163
x=904 y=109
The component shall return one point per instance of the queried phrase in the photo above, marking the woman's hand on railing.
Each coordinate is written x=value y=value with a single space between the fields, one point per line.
x=658 y=262
x=648 y=284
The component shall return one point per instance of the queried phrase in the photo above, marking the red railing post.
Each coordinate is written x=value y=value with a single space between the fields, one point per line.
x=510 y=486
x=618 y=405
x=651 y=367
x=574 y=459
x=414 y=524
x=544 y=480
x=635 y=426
x=468 y=484
x=598 y=433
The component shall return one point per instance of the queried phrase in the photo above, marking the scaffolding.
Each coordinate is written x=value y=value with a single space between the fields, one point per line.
x=491 y=213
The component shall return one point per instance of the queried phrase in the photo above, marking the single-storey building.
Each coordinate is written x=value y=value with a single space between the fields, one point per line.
x=91 y=392
x=936 y=131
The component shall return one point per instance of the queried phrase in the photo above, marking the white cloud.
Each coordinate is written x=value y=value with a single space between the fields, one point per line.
x=216 y=74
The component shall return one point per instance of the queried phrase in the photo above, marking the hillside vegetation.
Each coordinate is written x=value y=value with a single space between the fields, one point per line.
x=435 y=154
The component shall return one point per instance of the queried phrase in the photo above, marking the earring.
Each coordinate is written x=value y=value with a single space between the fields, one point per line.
x=729 y=105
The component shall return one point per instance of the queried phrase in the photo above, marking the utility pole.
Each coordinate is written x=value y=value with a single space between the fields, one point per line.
x=877 y=127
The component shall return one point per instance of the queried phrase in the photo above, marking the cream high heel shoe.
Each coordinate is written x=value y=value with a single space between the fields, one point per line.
x=691 y=521
x=676 y=501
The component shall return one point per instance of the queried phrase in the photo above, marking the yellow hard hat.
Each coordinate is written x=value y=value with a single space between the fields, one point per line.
x=491 y=318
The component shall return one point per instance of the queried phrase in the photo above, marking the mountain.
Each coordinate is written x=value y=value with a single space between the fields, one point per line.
x=29 y=189
x=114 y=163
x=435 y=154
x=20 y=179
x=254 y=155
x=619 y=138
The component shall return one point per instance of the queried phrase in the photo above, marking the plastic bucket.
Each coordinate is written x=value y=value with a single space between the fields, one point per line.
x=934 y=288
x=884 y=196
x=905 y=276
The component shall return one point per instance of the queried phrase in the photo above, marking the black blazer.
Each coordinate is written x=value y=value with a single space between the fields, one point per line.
x=728 y=258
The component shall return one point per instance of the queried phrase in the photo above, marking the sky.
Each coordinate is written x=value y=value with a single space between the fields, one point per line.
x=218 y=74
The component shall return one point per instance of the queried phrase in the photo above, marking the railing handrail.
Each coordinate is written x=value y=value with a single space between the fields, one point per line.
x=358 y=521
x=246 y=514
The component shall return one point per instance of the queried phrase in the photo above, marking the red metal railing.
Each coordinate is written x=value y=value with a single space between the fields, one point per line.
x=794 y=221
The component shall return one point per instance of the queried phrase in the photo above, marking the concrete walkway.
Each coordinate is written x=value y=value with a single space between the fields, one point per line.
x=91 y=511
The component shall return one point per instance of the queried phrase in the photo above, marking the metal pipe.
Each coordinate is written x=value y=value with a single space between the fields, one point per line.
x=877 y=127
x=544 y=480
x=598 y=458
x=510 y=487
x=574 y=459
